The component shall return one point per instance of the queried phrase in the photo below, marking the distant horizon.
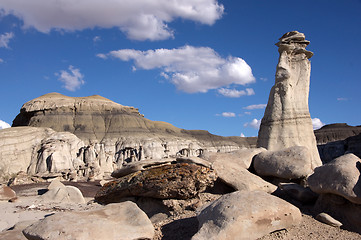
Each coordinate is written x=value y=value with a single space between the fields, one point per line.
x=206 y=65
x=4 y=125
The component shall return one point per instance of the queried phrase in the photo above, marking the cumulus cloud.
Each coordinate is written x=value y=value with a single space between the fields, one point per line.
x=72 y=79
x=138 y=19
x=316 y=123
x=4 y=125
x=242 y=135
x=255 y=106
x=190 y=69
x=234 y=93
x=5 y=39
x=228 y=114
x=255 y=123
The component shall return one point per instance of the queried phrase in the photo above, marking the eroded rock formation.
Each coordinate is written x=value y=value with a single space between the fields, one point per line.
x=287 y=120
x=118 y=133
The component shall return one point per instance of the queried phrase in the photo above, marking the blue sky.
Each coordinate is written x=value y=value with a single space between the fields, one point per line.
x=196 y=64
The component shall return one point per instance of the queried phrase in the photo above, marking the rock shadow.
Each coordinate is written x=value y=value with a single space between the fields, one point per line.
x=182 y=229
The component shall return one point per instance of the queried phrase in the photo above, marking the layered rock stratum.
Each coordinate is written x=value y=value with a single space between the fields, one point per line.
x=286 y=121
x=93 y=136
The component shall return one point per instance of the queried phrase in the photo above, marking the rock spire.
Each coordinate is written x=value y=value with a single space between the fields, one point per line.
x=286 y=121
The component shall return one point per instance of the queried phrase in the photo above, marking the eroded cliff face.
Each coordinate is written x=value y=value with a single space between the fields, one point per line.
x=114 y=135
x=287 y=120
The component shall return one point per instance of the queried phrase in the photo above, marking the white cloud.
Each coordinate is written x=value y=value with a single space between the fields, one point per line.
x=263 y=79
x=256 y=106
x=1 y=60
x=72 y=80
x=254 y=124
x=138 y=19
x=5 y=38
x=316 y=123
x=242 y=135
x=4 y=125
x=248 y=113
x=234 y=93
x=228 y=114
x=97 y=39
x=341 y=99
x=191 y=69
x=102 y=56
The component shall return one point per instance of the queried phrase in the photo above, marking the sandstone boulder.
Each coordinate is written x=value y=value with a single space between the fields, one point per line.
x=6 y=193
x=245 y=215
x=340 y=176
x=179 y=180
x=15 y=232
x=58 y=192
x=291 y=163
x=243 y=157
x=124 y=221
x=286 y=121
x=233 y=173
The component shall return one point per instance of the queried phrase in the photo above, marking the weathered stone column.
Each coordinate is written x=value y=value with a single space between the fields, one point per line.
x=286 y=121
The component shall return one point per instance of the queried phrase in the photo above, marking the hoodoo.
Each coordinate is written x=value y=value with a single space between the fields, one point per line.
x=286 y=121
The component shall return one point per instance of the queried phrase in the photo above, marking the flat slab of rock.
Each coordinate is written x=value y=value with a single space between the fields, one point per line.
x=180 y=181
x=122 y=221
x=341 y=176
x=245 y=215
x=327 y=219
x=232 y=167
x=290 y=163
x=242 y=157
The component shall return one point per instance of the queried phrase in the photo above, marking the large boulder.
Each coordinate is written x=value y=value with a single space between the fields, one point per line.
x=231 y=169
x=177 y=180
x=58 y=192
x=291 y=163
x=243 y=157
x=287 y=121
x=245 y=215
x=341 y=176
x=114 y=221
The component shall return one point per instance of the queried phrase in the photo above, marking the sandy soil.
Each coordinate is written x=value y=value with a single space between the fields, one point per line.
x=178 y=226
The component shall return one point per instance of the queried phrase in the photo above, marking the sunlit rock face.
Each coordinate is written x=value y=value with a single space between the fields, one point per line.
x=287 y=120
